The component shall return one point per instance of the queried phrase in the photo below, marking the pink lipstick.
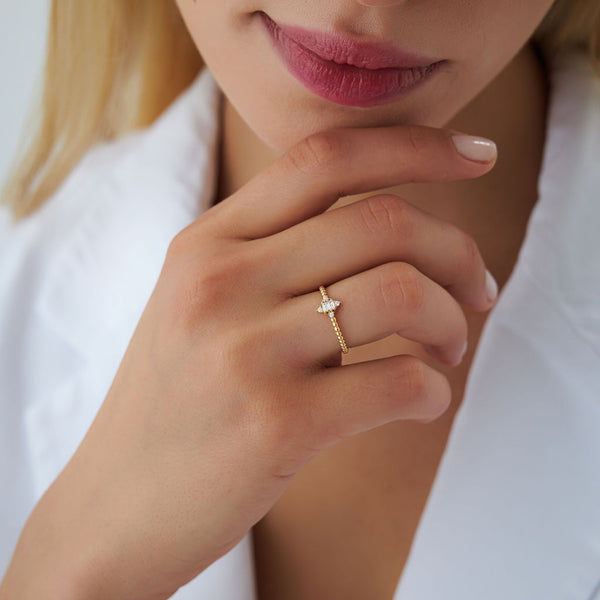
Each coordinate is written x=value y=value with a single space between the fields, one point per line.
x=346 y=71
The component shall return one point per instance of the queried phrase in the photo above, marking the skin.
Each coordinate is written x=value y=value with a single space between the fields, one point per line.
x=477 y=38
x=200 y=434
x=495 y=86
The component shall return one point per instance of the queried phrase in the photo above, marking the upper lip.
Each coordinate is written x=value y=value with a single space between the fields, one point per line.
x=342 y=50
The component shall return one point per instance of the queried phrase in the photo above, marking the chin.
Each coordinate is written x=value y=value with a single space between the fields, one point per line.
x=285 y=112
x=283 y=129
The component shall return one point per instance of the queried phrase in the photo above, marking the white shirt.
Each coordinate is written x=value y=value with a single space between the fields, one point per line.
x=514 y=512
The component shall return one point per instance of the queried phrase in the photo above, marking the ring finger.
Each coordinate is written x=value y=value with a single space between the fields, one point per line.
x=391 y=298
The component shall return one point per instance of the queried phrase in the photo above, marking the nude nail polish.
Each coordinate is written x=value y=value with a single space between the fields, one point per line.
x=475 y=148
x=491 y=286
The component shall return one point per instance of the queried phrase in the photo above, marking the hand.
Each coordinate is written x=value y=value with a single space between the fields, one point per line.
x=232 y=381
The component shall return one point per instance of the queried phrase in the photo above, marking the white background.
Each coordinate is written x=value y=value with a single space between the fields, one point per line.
x=22 y=47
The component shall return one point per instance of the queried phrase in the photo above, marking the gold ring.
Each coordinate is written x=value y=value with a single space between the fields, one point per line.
x=328 y=307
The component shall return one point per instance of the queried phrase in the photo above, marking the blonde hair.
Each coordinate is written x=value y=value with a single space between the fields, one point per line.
x=112 y=66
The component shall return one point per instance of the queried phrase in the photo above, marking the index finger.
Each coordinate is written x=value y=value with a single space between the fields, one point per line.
x=325 y=166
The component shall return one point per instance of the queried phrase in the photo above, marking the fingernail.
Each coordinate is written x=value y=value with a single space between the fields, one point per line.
x=491 y=286
x=475 y=148
x=459 y=358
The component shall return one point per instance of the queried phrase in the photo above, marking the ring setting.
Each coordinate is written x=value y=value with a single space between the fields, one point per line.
x=328 y=307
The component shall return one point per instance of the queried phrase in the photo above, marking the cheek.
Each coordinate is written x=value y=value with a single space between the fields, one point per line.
x=495 y=31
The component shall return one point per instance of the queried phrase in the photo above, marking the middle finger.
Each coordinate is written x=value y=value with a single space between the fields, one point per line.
x=379 y=229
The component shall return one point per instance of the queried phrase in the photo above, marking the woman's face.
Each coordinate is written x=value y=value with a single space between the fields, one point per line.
x=285 y=91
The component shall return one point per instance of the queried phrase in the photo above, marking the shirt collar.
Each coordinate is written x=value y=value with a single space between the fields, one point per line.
x=131 y=197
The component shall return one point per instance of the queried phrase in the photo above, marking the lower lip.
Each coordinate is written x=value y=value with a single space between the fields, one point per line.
x=345 y=84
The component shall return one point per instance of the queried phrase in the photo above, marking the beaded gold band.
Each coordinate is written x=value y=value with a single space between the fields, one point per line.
x=328 y=307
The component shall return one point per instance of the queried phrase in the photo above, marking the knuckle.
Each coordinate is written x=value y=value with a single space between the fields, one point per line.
x=471 y=257
x=417 y=138
x=204 y=286
x=401 y=287
x=316 y=153
x=211 y=277
x=385 y=213
x=197 y=297
x=194 y=239
x=180 y=245
x=426 y=391
x=414 y=378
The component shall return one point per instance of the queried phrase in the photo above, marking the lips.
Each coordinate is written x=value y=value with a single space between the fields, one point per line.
x=346 y=71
